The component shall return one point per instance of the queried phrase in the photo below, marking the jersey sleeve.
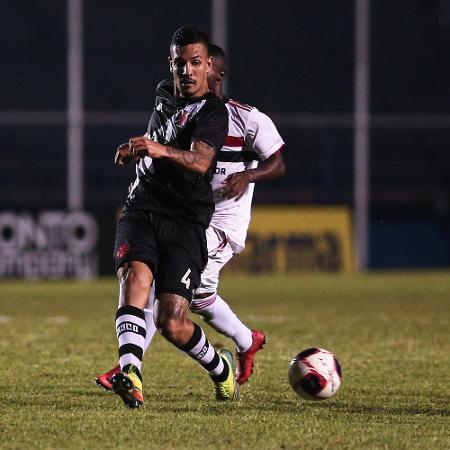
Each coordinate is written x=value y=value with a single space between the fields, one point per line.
x=212 y=125
x=262 y=135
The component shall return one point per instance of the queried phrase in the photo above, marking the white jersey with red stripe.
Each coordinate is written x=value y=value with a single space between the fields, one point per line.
x=252 y=137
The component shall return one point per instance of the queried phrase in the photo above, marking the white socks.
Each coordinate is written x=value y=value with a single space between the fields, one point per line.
x=130 y=328
x=216 y=312
x=151 y=328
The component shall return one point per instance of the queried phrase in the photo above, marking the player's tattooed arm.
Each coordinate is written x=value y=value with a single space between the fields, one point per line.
x=197 y=160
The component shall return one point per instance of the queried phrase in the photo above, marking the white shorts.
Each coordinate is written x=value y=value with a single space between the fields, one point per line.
x=219 y=253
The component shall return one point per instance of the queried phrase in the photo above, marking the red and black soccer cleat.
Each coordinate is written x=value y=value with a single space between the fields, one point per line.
x=245 y=359
x=105 y=380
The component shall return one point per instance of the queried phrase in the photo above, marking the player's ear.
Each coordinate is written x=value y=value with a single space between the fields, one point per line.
x=169 y=60
x=208 y=64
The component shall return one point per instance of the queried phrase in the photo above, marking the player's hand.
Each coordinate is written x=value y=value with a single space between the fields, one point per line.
x=142 y=146
x=124 y=155
x=235 y=185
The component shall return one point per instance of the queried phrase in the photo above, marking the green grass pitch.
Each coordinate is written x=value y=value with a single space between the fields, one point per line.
x=391 y=333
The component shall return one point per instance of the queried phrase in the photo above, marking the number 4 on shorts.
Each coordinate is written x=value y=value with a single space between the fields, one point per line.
x=186 y=280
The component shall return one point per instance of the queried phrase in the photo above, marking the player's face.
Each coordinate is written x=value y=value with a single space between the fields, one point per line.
x=190 y=65
x=217 y=72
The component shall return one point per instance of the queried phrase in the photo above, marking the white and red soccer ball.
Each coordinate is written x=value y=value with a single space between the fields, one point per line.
x=315 y=374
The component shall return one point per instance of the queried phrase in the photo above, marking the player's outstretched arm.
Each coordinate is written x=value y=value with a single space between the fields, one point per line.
x=236 y=184
x=196 y=160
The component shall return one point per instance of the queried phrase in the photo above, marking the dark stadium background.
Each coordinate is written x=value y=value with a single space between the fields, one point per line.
x=284 y=57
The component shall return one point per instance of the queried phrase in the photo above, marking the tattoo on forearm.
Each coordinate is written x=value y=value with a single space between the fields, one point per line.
x=197 y=156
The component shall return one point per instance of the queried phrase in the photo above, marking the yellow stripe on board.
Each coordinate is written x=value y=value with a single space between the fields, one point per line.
x=294 y=239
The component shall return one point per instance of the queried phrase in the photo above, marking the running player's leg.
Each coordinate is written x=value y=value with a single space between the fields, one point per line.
x=207 y=302
x=105 y=379
x=213 y=309
x=216 y=311
x=135 y=278
x=181 y=261
x=135 y=257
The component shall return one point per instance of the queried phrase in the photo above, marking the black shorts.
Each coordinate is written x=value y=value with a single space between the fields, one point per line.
x=175 y=251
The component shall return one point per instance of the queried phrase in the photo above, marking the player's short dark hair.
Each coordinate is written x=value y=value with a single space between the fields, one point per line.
x=215 y=51
x=186 y=35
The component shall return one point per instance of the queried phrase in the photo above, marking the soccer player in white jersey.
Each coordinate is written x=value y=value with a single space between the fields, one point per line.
x=252 y=152
x=252 y=137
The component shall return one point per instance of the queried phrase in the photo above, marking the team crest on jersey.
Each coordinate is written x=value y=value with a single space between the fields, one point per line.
x=168 y=131
x=182 y=118
x=123 y=250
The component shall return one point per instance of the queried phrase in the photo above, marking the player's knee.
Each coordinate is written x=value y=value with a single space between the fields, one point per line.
x=172 y=329
x=135 y=281
x=134 y=275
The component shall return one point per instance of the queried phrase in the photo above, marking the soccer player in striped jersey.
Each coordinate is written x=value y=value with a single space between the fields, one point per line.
x=251 y=152
x=161 y=234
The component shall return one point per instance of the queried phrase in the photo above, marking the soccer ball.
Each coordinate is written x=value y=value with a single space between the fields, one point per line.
x=315 y=374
